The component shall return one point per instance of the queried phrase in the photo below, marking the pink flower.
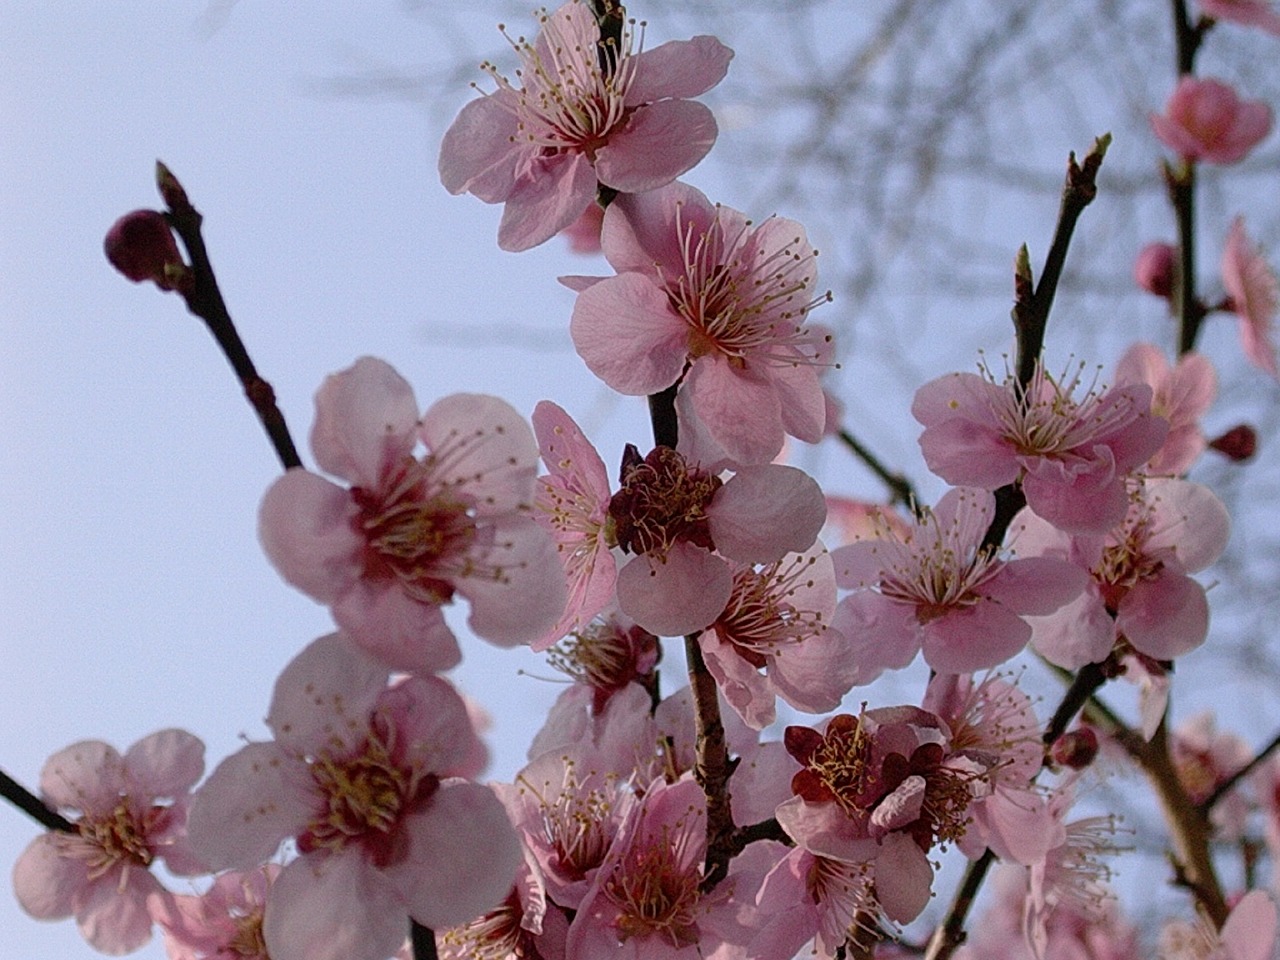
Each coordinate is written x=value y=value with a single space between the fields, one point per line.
x=1182 y=395
x=1071 y=455
x=132 y=812
x=572 y=503
x=686 y=529
x=938 y=590
x=806 y=896
x=1250 y=13
x=1205 y=119
x=774 y=640
x=706 y=299
x=540 y=149
x=1204 y=758
x=225 y=921
x=647 y=900
x=412 y=531
x=362 y=776
x=884 y=787
x=1253 y=293
x=1140 y=587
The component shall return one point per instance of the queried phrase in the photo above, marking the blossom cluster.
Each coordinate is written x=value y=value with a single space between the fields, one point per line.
x=1068 y=527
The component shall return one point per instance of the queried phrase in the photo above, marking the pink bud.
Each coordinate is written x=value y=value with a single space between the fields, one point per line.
x=1239 y=443
x=1075 y=748
x=141 y=246
x=1153 y=270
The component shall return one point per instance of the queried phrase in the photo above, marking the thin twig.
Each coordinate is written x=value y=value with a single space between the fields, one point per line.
x=900 y=489
x=33 y=806
x=204 y=299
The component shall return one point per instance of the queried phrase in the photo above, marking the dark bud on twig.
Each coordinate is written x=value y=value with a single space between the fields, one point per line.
x=1239 y=443
x=1075 y=749
x=141 y=246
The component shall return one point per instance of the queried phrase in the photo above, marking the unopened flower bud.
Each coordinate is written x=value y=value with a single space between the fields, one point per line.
x=1239 y=443
x=171 y=191
x=1153 y=270
x=1075 y=748
x=141 y=246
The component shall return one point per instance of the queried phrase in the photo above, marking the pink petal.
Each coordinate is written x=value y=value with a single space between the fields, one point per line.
x=46 y=883
x=401 y=632
x=567 y=452
x=113 y=915
x=461 y=859
x=658 y=143
x=550 y=197
x=333 y=908
x=324 y=695
x=974 y=638
x=626 y=333
x=765 y=512
x=760 y=782
x=743 y=686
x=1250 y=930
x=1164 y=617
x=478 y=154
x=643 y=232
x=433 y=721
x=884 y=634
x=86 y=776
x=1035 y=585
x=307 y=527
x=1189 y=519
x=824 y=830
x=815 y=675
x=678 y=69
x=678 y=597
x=1079 y=633
x=517 y=587
x=482 y=445
x=250 y=803
x=164 y=764
x=739 y=408
x=1081 y=505
x=904 y=878
x=365 y=417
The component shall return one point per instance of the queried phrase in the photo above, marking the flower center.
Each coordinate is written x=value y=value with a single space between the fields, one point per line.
x=606 y=658
x=574 y=85
x=836 y=766
x=1045 y=421
x=416 y=531
x=364 y=798
x=662 y=501
x=248 y=941
x=657 y=896
x=742 y=299
x=759 y=618
x=107 y=841
x=497 y=935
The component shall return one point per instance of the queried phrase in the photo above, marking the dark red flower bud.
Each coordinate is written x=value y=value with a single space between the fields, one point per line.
x=141 y=246
x=1153 y=270
x=1239 y=443
x=171 y=190
x=1075 y=748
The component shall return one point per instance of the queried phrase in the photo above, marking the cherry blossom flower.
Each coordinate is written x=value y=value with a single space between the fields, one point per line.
x=1182 y=394
x=1248 y=934
x=1204 y=758
x=1249 y=13
x=989 y=719
x=572 y=502
x=1072 y=871
x=1140 y=588
x=773 y=639
x=223 y=922
x=588 y=110
x=1254 y=294
x=362 y=776
x=686 y=528
x=568 y=811
x=881 y=787
x=647 y=900
x=939 y=590
x=706 y=299
x=807 y=897
x=132 y=811
x=1070 y=454
x=1205 y=119
x=412 y=531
